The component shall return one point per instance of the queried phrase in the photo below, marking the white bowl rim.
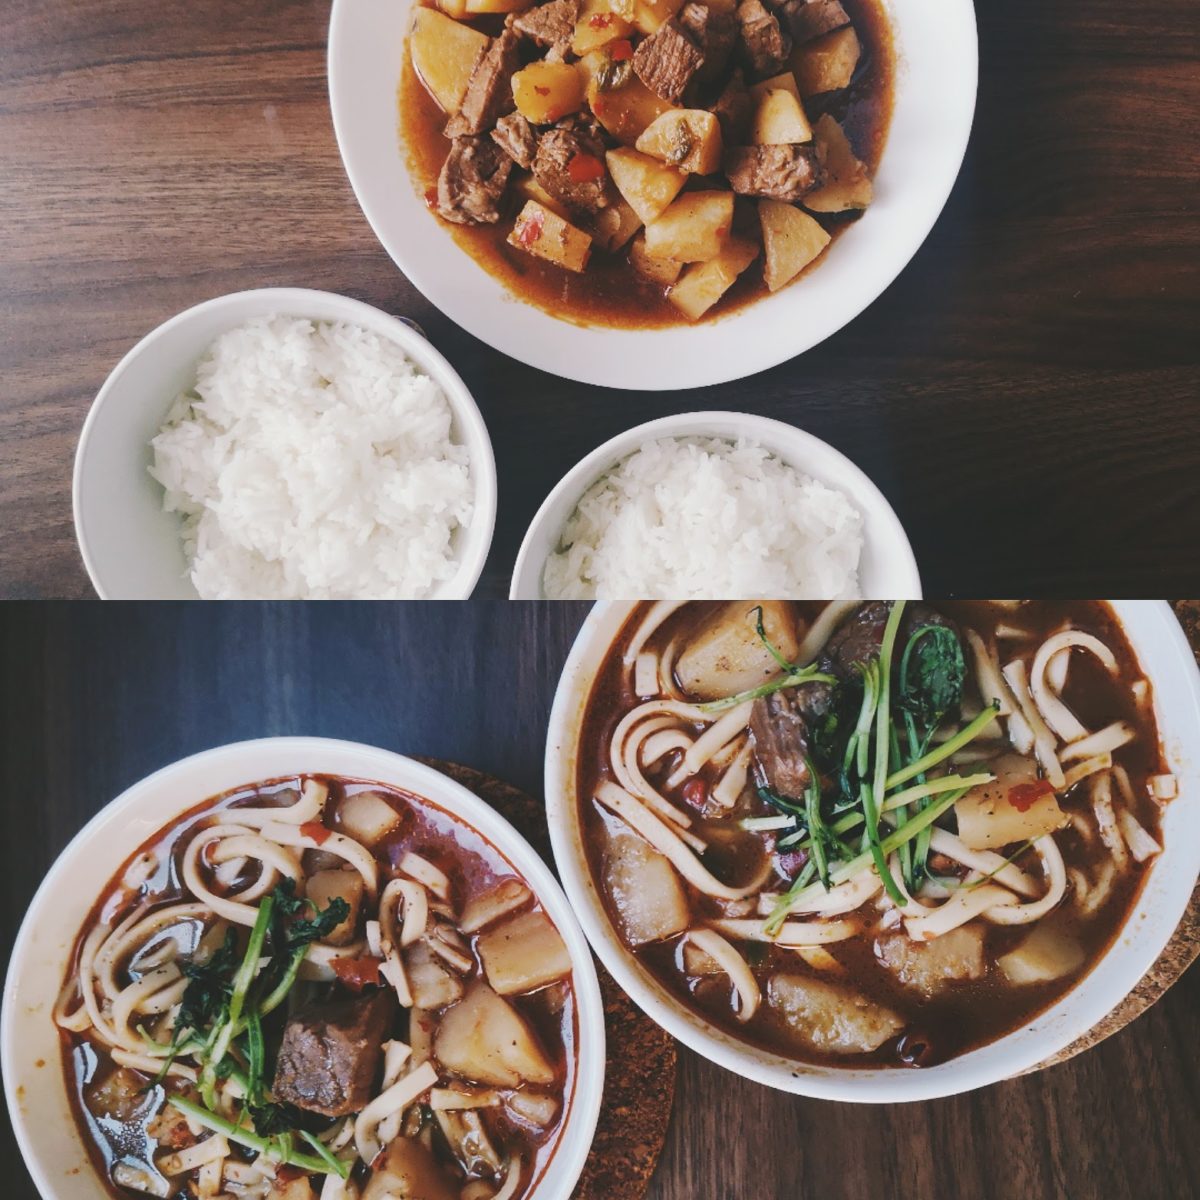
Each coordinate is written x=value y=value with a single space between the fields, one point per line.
x=406 y=333
x=429 y=784
x=991 y=1063
x=859 y=487
x=623 y=358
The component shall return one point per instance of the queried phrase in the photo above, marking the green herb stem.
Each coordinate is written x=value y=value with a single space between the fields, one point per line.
x=808 y=674
x=940 y=753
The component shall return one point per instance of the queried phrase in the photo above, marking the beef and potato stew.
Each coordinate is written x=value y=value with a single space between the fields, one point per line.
x=646 y=162
x=319 y=988
x=873 y=834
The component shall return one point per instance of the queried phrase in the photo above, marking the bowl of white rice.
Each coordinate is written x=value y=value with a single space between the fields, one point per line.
x=284 y=444
x=715 y=505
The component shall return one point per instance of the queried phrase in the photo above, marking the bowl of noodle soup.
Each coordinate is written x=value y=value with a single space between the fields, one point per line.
x=759 y=903
x=378 y=899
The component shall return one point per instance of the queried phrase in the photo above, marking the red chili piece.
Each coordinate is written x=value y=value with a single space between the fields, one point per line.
x=316 y=831
x=1023 y=796
x=357 y=973
x=531 y=229
x=621 y=51
x=584 y=168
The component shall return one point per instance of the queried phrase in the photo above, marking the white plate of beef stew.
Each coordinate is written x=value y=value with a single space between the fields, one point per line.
x=637 y=199
x=302 y=967
x=877 y=852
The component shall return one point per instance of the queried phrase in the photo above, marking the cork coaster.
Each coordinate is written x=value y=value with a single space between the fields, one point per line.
x=640 y=1084
x=1181 y=951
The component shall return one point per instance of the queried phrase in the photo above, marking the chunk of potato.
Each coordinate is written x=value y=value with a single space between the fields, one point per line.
x=644 y=889
x=726 y=655
x=658 y=270
x=686 y=138
x=368 y=818
x=486 y=908
x=598 y=25
x=847 y=184
x=484 y=1039
x=524 y=954
x=444 y=52
x=827 y=63
x=651 y=15
x=930 y=967
x=791 y=240
x=545 y=91
x=534 y=1108
x=479 y=7
x=779 y=118
x=647 y=185
x=831 y=1017
x=453 y=8
x=615 y=225
x=703 y=284
x=624 y=111
x=1049 y=952
x=987 y=819
x=546 y=235
x=409 y=1172
x=432 y=986
x=528 y=188
x=325 y=886
x=694 y=228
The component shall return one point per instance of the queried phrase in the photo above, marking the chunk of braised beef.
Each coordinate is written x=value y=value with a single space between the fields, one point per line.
x=733 y=109
x=714 y=31
x=808 y=19
x=550 y=24
x=667 y=60
x=781 y=743
x=569 y=164
x=515 y=136
x=859 y=637
x=765 y=44
x=489 y=93
x=472 y=181
x=774 y=172
x=330 y=1056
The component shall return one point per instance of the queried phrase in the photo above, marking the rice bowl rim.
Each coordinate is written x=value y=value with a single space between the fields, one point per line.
x=883 y=535
x=297 y=303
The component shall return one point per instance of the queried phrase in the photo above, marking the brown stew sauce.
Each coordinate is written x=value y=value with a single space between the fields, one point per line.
x=611 y=292
x=971 y=1013
x=473 y=865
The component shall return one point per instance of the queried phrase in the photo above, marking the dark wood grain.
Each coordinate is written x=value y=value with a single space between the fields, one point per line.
x=1025 y=394
x=96 y=696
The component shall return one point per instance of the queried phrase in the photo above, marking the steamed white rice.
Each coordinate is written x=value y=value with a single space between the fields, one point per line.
x=694 y=518
x=313 y=461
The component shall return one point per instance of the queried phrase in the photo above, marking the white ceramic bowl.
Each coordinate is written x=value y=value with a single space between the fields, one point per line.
x=130 y=547
x=1166 y=658
x=937 y=67
x=30 y=1049
x=887 y=567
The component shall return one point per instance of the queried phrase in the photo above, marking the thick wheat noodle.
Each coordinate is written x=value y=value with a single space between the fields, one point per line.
x=658 y=613
x=818 y=634
x=396 y=1098
x=730 y=786
x=1044 y=743
x=724 y=730
x=629 y=774
x=149 y=1065
x=1057 y=715
x=734 y=965
x=232 y=910
x=965 y=904
x=791 y=935
x=134 y=933
x=1103 y=741
x=1056 y=889
x=308 y=808
x=339 y=844
x=135 y=998
x=843 y=898
x=659 y=745
x=986 y=862
x=1106 y=820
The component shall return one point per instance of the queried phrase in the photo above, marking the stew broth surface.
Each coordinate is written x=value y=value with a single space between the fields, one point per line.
x=969 y=1013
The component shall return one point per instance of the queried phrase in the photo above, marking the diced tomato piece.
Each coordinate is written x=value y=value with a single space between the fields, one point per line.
x=530 y=229
x=695 y=792
x=585 y=168
x=357 y=973
x=316 y=831
x=1023 y=796
x=621 y=51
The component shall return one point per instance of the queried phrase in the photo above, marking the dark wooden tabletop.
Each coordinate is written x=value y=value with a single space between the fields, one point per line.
x=96 y=696
x=1026 y=394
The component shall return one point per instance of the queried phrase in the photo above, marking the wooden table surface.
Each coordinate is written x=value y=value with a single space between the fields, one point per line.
x=1025 y=394
x=97 y=696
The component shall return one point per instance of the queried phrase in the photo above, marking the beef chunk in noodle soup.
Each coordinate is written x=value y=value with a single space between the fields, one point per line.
x=870 y=834
x=319 y=988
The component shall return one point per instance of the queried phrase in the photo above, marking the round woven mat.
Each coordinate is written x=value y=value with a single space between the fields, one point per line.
x=639 y=1087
